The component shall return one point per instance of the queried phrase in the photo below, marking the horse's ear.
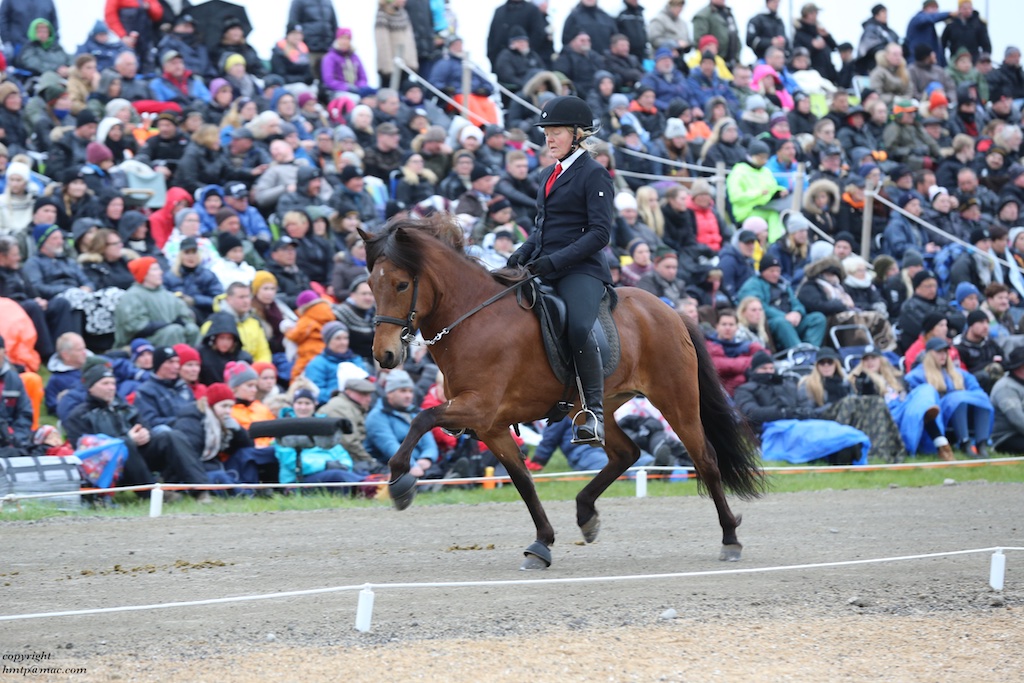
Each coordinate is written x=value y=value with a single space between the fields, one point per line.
x=365 y=236
x=402 y=236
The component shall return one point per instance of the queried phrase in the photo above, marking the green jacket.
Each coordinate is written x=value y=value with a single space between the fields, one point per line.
x=758 y=287
x=719 y=22
x=746 y=187
x=909 y=144
x=155 y=314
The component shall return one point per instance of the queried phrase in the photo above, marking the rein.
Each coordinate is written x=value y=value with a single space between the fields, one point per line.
x=408 y=336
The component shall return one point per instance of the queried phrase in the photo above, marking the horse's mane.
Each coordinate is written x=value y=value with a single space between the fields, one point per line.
x=405 y=241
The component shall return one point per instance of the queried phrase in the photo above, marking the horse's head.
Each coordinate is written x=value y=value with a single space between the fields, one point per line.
x=393 y=260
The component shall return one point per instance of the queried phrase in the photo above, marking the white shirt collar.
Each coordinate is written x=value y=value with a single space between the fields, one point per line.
x=572 y=157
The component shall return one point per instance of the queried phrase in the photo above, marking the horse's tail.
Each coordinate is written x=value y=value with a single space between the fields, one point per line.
x=725 y=429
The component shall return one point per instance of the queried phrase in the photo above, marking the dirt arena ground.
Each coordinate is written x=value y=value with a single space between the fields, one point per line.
x=921 y=620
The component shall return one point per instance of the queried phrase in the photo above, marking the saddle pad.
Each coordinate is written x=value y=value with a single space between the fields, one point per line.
x=551 y=313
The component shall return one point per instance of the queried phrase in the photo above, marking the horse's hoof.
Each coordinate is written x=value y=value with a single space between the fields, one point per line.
x=731 y=553
x=538 y=556
x=590 y=528
x=402 y=491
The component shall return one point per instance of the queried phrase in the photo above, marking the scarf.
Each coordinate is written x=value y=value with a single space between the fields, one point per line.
x=295 y=55
x=985 y=265
x=635 y=106
x=183 y=84
x=392 y=19
x=858 y=283
x=849 y=200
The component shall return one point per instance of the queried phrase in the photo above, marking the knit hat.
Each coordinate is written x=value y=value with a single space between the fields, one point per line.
x=675 y=128
x=233 y=60
x=237 y=373
x=705 y=41
x=617 y=100
x=755 y=102
x=937 y=100
x=795 y=222
x=912 y=257
x=162 y=354
x=756 y=225
x=217 y=392
x=85 y=117
x=187 y=354
x=226 y=241
x=304 y=98
x=760 y=358
x=844 y=236
x=701 y=187
x=139 y=267
x=343 y=132
x=920 y=277
x=41 y=233
x=95 y=369
x=758 y=147
x=979 y=234
x=262 y=277
x=332 y=328
x=769 y=261
x=262 y=366
x=305 y=298
x=663 y=53
x=398 y=379
x=43 y=433
x=305 y=393
x=976 y=316
x=96 y=153
x=625 y=200
x=906 y=198
x=224 y=213
x=663 y=252
x=348 y=173
x=139 y=347
x=471 y=132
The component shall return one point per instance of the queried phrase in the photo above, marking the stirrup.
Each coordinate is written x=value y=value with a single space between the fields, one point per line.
x=598 y=437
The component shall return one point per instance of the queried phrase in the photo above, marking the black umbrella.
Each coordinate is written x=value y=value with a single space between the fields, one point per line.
x=211 y=18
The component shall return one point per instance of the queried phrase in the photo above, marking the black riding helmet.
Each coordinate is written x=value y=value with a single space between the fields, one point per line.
x=571 y=112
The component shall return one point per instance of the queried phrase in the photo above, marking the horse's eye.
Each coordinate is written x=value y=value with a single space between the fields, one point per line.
x=403 y=286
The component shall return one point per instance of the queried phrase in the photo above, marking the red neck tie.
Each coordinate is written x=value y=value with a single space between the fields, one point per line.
x=551 y=181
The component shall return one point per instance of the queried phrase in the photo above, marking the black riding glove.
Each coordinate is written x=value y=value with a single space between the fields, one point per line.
x=516 y=259
x=542 y=267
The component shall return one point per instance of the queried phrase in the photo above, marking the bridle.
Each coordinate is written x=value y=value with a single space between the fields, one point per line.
x=409 y=334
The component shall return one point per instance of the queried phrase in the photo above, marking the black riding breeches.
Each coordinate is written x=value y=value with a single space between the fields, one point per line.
x=582 y=296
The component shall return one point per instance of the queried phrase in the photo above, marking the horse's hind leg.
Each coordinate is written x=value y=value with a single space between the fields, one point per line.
x=705 y=461
x=504 y=448
x=622 y=453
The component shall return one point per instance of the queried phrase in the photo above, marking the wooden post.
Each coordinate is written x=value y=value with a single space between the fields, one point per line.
x=720 y=189
x=467 y=80
x=865 y=232
x=396 y=72
x=798 y=188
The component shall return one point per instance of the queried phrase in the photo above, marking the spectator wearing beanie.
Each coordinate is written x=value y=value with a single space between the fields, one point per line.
x=324 y=369
x=291 y=280
x=191 y=366
x=135 y=234
x=314 y=314
x=266 y=388
x=388 y=424
x=926 y=70
x=979 y=353
x=150 y=311
x=165 y=401
x=96 y=170
x=244 y=382
x=69 y=150
x=104 y=412
x=228 y=221
x=191 y=280
x=232 y=267
x=274 y=316
x=924 y=302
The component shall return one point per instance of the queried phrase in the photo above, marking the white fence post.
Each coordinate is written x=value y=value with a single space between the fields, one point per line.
x=156 y=500
x=641 y=484
x=364 y=610
x=997 y=572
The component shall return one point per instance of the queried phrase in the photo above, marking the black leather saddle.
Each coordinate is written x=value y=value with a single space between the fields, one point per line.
x=550 y=310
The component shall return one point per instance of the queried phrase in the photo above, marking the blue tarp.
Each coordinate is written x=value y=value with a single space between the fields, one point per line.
x=800 y=441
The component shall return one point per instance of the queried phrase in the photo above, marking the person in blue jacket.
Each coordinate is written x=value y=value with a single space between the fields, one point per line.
x=965 y=406
x=322 y=370
x=574 y=219
x=921 y=30
x=388 y=423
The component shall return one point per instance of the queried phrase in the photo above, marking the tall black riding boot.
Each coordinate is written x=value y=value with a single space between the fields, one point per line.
x=589 y=423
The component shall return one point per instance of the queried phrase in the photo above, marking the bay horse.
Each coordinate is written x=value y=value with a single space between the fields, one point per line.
x=496 y=374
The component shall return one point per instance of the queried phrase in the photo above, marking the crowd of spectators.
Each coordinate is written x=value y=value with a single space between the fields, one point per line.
x=179 y=217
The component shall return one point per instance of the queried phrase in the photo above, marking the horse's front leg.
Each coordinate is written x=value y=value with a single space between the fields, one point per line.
x=505 y=449
x=402 y=486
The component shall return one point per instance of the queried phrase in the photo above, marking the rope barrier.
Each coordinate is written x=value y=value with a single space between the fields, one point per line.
x=641 y=476
x=415 y=78
x=368 y=587
x=925 y=224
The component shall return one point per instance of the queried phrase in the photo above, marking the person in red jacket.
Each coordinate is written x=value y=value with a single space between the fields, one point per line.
x=706 y=220
x=730 y=356
x=134 y=21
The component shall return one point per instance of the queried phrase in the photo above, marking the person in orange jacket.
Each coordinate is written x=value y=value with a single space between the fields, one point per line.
x=314 y=313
